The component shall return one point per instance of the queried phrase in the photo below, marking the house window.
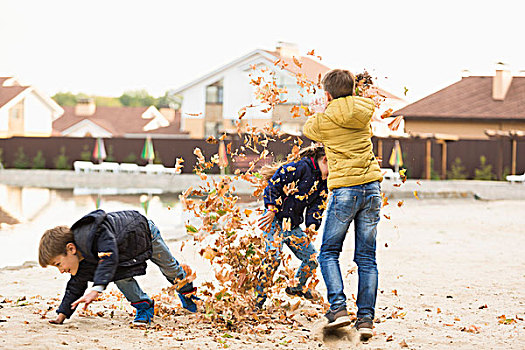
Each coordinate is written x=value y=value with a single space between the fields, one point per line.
x=214 y=93
x=17 y=111
x=211 y=129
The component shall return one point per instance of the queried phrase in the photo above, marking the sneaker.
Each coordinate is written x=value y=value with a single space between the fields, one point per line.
x=364 y=327
x=188 y=298
x=337 y=318
x=145 y=312
x=299 y=293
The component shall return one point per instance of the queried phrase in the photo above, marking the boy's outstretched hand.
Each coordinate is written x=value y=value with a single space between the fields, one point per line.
x=59 y=320
x=265 y=222
x=86 y=299
x=318 y=105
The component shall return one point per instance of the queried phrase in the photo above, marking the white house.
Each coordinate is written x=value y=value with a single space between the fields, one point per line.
x=25 y=111
x=211 y=103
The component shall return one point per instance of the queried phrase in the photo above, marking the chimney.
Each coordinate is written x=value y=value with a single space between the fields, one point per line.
x=285 y=49
x=501 y=82
x=85 y=107
x=465 y=73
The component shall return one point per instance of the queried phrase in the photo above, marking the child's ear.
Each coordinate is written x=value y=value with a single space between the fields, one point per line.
x=71 y=248
x=328 y=96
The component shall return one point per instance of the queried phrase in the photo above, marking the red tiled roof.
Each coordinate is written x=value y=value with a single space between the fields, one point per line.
x=116 y=120
x=470 y=98
x=7 y=93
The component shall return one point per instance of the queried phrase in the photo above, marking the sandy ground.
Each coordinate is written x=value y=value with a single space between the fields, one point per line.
x=446 y=267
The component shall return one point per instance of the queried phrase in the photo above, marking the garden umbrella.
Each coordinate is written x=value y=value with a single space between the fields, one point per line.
x=147 y=151
x=396 y=158
x=99 y=153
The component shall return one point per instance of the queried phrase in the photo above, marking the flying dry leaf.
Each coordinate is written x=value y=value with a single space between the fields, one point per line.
x=296 y=62
x=104 y=254
x=287 y=224
x=385 y=200
x=212 y=140
x=242 y=112
x=178 y=165
x=416 y=195
x=394 y=124
x=200 y=157
x=387 y=113
x=400 y=204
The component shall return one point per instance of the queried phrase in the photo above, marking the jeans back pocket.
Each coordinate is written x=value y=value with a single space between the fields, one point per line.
x=345 y=206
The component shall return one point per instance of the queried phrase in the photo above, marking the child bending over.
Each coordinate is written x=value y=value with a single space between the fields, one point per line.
x=111 y=247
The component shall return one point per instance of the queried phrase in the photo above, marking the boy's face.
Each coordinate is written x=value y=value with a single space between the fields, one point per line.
x=67 y=262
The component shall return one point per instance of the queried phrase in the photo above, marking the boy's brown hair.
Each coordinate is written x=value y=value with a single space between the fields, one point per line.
x=339 y=83
x=315 y=150
x=53 y=243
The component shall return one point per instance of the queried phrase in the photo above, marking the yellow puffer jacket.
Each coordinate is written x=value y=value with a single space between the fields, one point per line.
x=344 y=129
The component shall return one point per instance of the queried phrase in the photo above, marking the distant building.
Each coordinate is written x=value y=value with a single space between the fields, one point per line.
x=87 y=119
x=212 y=102
x=25 y=111
x=470 y=106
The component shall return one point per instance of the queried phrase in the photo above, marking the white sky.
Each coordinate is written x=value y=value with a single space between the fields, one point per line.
x=107 y=47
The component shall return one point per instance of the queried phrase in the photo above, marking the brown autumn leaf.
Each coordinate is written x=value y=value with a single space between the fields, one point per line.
x=394 y=124
x=212 y=140
x=385 y=200
x=387 y=113
x=178 y=165
x=296 y=62
x=403 y=344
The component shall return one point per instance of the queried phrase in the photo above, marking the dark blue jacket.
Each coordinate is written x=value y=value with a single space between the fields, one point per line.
x=114 y=246
x=310 y=195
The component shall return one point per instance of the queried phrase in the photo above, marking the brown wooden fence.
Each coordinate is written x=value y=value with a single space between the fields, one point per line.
x=497 y=153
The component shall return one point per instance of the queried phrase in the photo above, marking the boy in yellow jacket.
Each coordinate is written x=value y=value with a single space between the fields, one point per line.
x=343 y=126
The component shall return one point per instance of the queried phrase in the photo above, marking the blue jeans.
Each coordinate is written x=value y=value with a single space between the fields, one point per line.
x=362 y=204
x=299 y=244
x=162 y=257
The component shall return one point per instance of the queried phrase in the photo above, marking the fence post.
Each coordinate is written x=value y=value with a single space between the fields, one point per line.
x=428 y=158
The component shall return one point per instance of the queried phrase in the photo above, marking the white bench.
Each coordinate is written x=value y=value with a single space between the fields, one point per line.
x=129 y=168
x=83 y=166
x=516 y=178
x=153 y=169
x=109 y=167
x=157 y=169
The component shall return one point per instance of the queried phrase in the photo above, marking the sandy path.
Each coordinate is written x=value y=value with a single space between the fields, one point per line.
x=445 y=259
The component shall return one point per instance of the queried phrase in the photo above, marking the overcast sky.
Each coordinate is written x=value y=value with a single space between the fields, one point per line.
x=107 y=47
